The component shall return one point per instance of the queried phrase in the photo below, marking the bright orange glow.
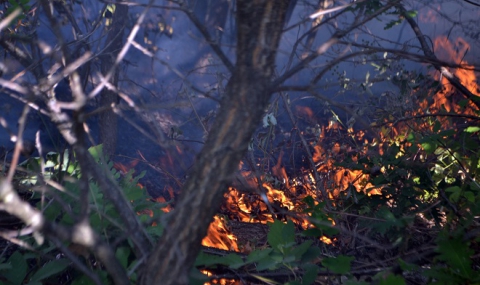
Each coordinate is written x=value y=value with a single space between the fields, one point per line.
x=263 y=204
x=219 y=236
x=220 y=281
x=326 y=240
x=453 y=52
x=162 y=200
x=279 y=171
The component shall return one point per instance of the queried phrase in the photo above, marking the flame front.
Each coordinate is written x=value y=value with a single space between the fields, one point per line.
x=219 y=236
x=279 y=194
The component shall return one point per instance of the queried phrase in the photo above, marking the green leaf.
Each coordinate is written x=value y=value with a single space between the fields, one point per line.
x=456 y=253
x=412 y=13
x=338 y=265
x=311 y=254
x=155 y=231
x=50 y=269
x=469 y=196
x=472 y=129
x=122 y=254
x=134 y=193
x=310 y=275
x=455 y=190
x=429 y=147
x=300 y=250
x=407 y=266
x=411 y=137
x=288 y=232
x=5 y=266
x=280 y=234
x=386 y=214
x=19 y=269
x=96 y=152
x=391 y=279
x=268 y=262
x=207 y=260
x=197 y=278
x=474 y=186
x=232 y=260
x=310 y=201
x=322 y=222
x=258 y=254
x=108 y=14
x=314 y=232
x=392 y=24
x=83 y=280
x=443 y=276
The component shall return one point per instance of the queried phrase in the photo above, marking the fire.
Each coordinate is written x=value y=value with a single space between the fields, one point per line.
x=220 y=281
x=162 y=200
x=124 y=168
x=263 y=201
x=279 y=171
x=219 y=236
x=449 y=51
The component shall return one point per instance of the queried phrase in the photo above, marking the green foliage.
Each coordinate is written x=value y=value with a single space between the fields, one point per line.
x=283 y=253
x=103 y=218
x=288 y=249
x=14 y=270
x=49 y=269
x=456 y=255
x=339 y=264
x=15 y=4
x=429 y=174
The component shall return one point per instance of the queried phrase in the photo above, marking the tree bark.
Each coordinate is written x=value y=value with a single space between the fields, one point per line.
x=113 y=45
x=247 y=95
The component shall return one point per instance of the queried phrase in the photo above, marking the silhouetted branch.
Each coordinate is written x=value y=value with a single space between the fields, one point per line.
x=333 y=40
x=308 y=152
x=213 y=44
x=430 y=54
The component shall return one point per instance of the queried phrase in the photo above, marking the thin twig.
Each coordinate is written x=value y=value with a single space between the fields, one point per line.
x=430 y=54
x=305 y=145
x=121 y=54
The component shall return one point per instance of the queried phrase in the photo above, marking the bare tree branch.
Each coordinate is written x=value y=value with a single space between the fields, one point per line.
x=430 y=54
x=213 y=43
x=333 y=40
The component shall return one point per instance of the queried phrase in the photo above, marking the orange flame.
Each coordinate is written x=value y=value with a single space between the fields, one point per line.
x=219 y=236
x=448 y=51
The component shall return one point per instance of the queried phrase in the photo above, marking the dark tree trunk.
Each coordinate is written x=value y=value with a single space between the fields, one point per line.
x=247 y=95
x=113 y=45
